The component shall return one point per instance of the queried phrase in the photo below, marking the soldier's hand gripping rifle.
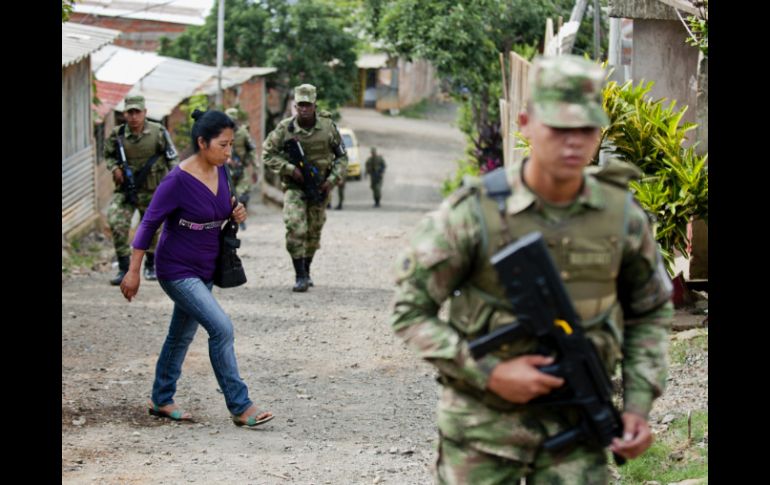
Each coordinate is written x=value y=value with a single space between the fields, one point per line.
x=129 y=185
x=543 y=309
x=312 y=178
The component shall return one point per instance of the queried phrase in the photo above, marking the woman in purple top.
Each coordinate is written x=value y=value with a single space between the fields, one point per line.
x=192 y=202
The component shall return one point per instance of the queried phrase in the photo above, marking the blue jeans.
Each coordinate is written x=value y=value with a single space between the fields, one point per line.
x=194 y=303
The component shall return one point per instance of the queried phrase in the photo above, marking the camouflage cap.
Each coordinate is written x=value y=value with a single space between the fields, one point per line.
x=304 y=93
x=134 y=102
x=232 y=113
x=566 y=92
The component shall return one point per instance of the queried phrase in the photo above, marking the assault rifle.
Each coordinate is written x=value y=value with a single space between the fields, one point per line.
x=543 y=310
x=312 y=178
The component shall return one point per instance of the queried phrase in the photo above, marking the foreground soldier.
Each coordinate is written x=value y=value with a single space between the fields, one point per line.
x=303 y=215
x=609 y=262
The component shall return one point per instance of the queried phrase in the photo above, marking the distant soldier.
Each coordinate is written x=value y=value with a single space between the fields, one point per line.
x=375 y=169
x=243 y=162
x=490 y=431
x=139 y=154
x=306 y=191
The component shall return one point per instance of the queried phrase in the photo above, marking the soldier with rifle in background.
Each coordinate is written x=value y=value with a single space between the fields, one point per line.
x=554 y=278
x=308 y=153
x=243 y=162
x=139 y=153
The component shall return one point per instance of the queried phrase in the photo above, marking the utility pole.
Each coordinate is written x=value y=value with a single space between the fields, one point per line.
x=597 y=29
x=220 y=50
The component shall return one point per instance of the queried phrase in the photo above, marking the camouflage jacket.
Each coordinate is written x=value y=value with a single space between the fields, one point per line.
x=443 y=255
x=318 y=143
x=139 y=148
x=244 y=148
x=375 y=166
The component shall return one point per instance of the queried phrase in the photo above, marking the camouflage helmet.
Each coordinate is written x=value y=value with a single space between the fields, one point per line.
x=134 y=102
x=232 y=113
x=304 y=93
x=566 y=92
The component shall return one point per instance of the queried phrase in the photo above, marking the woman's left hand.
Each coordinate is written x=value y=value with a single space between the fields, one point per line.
x=239 y=213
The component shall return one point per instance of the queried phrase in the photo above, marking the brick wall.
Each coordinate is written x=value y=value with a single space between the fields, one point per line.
x=252 y=101
x=143 y=35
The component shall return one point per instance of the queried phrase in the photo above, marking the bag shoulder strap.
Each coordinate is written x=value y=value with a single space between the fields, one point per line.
x=230 y=183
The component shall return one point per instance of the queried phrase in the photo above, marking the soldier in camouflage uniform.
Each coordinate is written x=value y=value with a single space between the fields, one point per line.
x=375 y=169
x=610 y=264
x=243 y=163
x=323 y=147
x=150 y=154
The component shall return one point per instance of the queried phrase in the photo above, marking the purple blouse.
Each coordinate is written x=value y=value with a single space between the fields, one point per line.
x=187 y=248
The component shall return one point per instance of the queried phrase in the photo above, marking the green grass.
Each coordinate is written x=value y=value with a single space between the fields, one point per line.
x=80 y=255
x=672 y=457
x=681 y=349
x=418 y=110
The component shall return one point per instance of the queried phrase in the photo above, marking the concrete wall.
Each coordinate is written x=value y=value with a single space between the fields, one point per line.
x=417 y=81
x=661 y=55
x=641 y=9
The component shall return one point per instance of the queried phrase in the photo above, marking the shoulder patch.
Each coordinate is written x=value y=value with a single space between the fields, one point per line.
x=406 y=266
x=324 y=114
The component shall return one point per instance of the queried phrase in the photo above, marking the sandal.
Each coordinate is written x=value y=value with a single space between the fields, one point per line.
x=177 y=414
x=252 y=420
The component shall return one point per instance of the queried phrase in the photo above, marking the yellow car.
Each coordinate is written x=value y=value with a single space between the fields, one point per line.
x=351 y=146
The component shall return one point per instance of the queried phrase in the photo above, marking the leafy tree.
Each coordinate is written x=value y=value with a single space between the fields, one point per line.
x=698 y=27
x=66 y=9
x=306 y=42
x=463 y=39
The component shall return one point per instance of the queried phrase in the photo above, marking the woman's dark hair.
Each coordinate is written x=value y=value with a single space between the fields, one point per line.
x=208 y=125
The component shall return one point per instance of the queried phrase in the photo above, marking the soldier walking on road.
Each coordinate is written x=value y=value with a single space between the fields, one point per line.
x=304 y=212
x=375 y=169
x=139 y=153
x=243 y=162
x=610 y=264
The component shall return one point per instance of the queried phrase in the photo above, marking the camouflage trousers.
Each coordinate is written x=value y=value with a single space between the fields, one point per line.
x=119 y=215
x=376 y=189
x=304 y=223
x=459 y=464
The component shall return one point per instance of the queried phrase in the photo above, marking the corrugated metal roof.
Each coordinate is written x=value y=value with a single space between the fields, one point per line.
x=372 y=61
x=186 y=12
x=232 y=76
x=120 y=65
x=169 y=83
x=164 y=81
x=78 y=41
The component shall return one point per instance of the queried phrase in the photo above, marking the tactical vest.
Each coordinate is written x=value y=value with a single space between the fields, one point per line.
x=318 y=144
x=139 y=151
x=587 y=249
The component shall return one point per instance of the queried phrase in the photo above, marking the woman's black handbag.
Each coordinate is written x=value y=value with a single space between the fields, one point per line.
x=229 y=271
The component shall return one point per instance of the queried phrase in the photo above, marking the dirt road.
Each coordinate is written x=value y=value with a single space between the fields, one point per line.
x=352 y=405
